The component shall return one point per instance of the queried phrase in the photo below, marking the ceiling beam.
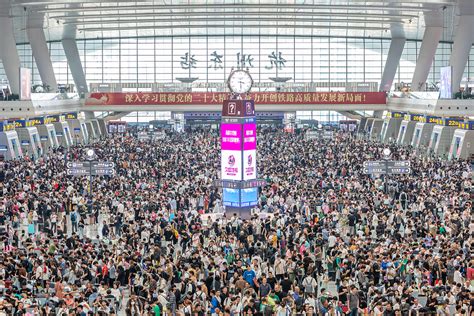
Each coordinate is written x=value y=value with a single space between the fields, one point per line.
x=246 y=7
x=209 y=13
x=235 y=19
x=254 y=26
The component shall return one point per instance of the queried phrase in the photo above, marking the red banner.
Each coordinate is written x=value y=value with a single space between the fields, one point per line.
x=206 y=98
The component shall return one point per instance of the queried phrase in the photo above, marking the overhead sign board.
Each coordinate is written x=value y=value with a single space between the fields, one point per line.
x=103 y=172
x=88 y=168
x=328 y=134
x=467 y=125
x=414 y=117
x=240 y=184
x=388 y=167
x=395 y=115
x=103 y=164
x=71 y=116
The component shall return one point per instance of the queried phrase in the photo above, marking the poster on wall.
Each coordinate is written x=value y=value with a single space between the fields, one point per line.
x=445 y=85
x=25 y=84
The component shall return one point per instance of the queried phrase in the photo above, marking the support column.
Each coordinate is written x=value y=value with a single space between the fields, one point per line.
x=74 y=62
x=40 y=51
x=461 y=48
x=9 y=54
x=393 y=59
x=431 y=38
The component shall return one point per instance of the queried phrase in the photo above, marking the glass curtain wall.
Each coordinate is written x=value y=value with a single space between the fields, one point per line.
x=324 y=117
x=331 y=60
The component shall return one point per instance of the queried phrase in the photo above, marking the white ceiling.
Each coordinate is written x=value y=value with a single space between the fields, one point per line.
x=120 y=18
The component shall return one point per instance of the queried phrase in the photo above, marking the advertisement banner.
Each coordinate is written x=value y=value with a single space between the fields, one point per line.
x=250 y=164
x=231 y=165
x=218 y=98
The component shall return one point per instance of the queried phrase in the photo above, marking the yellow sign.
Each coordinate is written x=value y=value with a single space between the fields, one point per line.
x=435 y=120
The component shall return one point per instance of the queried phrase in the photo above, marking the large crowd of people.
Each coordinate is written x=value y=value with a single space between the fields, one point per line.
x=325 y=239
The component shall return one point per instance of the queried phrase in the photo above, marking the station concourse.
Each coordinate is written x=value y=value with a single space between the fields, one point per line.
x=228 y=158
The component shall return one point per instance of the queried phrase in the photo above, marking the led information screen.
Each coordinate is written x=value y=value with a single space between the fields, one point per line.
x=231 y=197
x=240 y=197
x=239 y=156
x=249 y=197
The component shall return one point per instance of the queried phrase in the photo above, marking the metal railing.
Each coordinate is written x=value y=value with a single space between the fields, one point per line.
x=222 y=86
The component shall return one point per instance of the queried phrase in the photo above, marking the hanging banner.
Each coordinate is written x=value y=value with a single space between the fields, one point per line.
x=25 y=84
x=206 y=98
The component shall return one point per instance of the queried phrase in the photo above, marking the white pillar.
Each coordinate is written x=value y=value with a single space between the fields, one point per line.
x=463 y=40
x=40 y=51
x=393 y=59
x=431 y=38
x=9 y=54
x=75 y=65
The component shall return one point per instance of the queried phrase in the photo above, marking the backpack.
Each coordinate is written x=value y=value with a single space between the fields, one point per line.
x=298 y=301
x=308 y=285
x=73 y=217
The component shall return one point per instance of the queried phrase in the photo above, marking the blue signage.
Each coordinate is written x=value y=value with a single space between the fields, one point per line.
x=3 y=148
x=467 y=125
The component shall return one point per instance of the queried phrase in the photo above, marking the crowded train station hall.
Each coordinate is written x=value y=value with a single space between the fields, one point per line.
x=231 y=158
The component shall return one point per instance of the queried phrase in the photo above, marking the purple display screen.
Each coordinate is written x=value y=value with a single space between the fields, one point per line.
x=231 y=137
x=250 y=136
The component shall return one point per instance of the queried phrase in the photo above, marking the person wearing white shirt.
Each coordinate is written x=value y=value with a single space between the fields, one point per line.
x=458 y=278
x=332 y=241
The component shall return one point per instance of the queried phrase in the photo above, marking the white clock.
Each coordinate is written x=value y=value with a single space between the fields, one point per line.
x=240 y=81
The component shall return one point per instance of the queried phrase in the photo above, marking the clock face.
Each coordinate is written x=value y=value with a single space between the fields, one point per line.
x=240 y=81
